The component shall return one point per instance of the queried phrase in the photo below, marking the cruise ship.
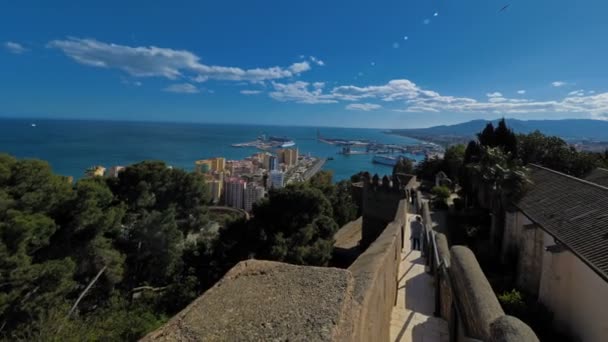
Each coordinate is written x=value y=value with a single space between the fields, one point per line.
x=281 y=141
x=387 y=160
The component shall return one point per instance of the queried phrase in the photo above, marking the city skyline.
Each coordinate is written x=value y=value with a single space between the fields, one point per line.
x=313 y=64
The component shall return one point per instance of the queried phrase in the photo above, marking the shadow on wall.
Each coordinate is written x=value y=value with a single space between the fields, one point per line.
x=408 y=322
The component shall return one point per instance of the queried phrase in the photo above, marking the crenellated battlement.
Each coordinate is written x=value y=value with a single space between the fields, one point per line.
x=380 y=200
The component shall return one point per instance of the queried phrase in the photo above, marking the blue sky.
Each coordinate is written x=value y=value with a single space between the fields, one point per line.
x=332 y=63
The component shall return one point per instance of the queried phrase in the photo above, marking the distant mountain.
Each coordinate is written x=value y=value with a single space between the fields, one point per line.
x=568 y=129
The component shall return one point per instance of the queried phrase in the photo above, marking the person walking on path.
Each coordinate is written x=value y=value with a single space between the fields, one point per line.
x=416 y=232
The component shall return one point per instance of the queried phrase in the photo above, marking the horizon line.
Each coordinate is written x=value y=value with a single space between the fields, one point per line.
x=3 y=117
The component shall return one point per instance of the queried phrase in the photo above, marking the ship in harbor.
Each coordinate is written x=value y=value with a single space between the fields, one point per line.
x=387 y=160
x=267 y=143
x=281 y=141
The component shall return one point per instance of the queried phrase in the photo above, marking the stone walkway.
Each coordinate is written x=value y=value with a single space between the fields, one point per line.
x=412 y=318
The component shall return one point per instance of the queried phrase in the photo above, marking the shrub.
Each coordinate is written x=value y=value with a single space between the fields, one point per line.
x=442 y=192
x=512 y=302
x=533 y=313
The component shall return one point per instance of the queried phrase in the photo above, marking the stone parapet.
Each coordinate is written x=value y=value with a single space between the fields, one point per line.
x=268 y=301
x=376 y=278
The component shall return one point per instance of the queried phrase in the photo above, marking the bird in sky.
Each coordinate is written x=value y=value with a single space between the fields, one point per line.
x=504 y=8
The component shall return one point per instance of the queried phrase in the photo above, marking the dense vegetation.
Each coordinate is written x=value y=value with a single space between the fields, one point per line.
x=522 y=149
x=491 y=174
x=112 y=258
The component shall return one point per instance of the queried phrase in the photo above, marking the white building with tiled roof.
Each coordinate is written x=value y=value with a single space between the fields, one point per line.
x=559 y=237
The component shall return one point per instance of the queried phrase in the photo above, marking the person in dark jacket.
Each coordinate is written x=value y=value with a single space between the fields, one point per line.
x=416 y=230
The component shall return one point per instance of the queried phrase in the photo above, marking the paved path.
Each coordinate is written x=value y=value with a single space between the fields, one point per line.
x=412 y=318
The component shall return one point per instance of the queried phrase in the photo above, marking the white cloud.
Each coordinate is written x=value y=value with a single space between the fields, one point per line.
x=316 y=61
x=426 y=21
x=298 y=68
x=149 y=61
x=521 y=92
x=366 y=107
x=558 y=83
x=435 y=14
x=416 y=99
x=591 y=92
x=405 y=38
x=299 y=92
x=250 y=92
x=392 y=91
x=182 y=88
x=200 y=79
x=578 y=92
x=494 y=94
x=395 y=45
x=15 y=48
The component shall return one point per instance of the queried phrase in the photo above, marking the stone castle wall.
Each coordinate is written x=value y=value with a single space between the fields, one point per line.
x=379 y=204
x=264 y=300
x=268 y=301
x=376 y=279
x=464 y=296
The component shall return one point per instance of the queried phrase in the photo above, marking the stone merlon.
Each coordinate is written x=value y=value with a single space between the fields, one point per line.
x=270 y=301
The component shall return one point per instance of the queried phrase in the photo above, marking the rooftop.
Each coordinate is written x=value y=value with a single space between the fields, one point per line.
x=574 y=211
x=598 y=176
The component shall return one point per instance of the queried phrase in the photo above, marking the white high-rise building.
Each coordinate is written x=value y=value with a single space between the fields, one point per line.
x=253 y=193
x=234 y=192
x=277 y=179
x=214 y=186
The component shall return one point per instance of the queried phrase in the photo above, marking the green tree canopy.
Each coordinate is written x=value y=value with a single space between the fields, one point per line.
x=293 y=225
x=339 y=195
x=404 y=165
x=556 y=154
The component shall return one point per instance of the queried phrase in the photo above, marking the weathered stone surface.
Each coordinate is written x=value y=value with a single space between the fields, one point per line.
x=511 y=329
x=445 y=294
x=376 y=277
x=346 y=247
x=379 y=205
x=443 y=249
x=349 y=235
x=268 y=301
x=477 y=302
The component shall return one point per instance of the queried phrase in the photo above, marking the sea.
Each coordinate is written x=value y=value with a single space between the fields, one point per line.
x=72 y=146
